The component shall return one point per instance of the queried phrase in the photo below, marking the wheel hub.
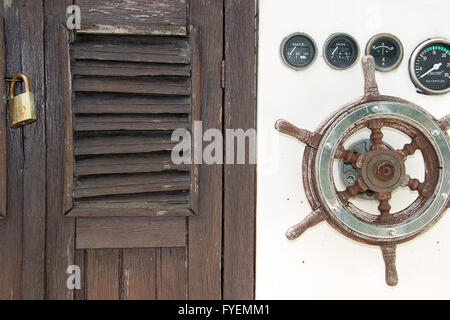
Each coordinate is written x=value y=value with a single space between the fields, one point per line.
x=383 y=171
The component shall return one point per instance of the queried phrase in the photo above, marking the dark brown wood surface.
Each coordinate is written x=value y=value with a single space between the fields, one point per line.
x=11 y=240
x=239 y=180
x=205 y=230
x=94 y=233
x=170 y=244
x=60 y=250
x=3 y=118
x=134 y=16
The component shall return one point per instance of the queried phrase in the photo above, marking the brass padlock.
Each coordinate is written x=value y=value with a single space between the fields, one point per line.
x=22 y=110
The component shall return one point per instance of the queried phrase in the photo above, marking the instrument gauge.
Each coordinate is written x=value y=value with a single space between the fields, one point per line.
x=340 y=51
x=387 y=51
x=298 y=51
x=429 y=66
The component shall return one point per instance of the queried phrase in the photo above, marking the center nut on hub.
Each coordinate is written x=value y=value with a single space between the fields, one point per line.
x=383 y=170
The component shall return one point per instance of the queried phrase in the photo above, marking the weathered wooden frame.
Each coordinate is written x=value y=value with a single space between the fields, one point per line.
x=3 y=125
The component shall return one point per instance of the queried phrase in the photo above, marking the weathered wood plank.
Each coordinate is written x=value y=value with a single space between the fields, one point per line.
x=171 y=274
x=34 y=178
x=123 y=69
x=178 y=197
x=80 y=261
x=11 y=227
x=130 y=232
x=139 y=274
x=163 y=17
x=127 y=164
x=150 y=85
x=130 y=183
x=60 y=251
x=132 y=49
x=3 y=124
x=130 y=122
x=122 y=144
x=205 y=230
x=103 y=272
x=239 y=181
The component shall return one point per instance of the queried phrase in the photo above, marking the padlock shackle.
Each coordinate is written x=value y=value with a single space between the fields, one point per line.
x=13 y=84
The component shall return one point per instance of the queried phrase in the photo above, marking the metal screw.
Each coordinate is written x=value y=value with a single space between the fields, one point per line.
x=392 y=233
x=435 y=133
x=444 y=196
x=328 y=146
x=334 y=209
x=376 y=109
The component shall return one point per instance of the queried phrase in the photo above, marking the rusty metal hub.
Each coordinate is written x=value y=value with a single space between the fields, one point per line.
x=378 y=172
x=383 y=170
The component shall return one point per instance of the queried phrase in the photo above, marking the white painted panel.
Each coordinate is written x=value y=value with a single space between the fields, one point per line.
x=323 y=263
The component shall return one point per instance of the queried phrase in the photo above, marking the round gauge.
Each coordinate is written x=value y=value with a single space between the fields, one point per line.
x=340 y=51
x=387 y=51
x=298 y=51
x=429 y=66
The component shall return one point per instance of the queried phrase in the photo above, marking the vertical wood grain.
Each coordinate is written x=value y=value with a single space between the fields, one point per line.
x=171 y=274
x=60 y=249
x=11 y=228
x=205 y=229
x=34 y=180
x=239 y=180
x=103 y=274
x=3 y=106
x=139 y=274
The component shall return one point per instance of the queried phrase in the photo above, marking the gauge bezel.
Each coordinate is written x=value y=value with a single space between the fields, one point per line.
x=392 y=37
x=284 y=43
x=412 y=60
x=332 y=37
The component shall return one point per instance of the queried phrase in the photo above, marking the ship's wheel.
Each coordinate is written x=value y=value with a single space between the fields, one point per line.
x=376 y=171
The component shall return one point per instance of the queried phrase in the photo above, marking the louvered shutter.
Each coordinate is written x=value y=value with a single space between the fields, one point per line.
x=126 y=94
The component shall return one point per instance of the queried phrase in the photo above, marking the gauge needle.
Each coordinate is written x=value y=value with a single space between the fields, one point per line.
x=332 y=54
x=435 y=67
x=290 y=53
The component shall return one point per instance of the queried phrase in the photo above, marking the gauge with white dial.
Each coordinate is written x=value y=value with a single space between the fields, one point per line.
x=429 y=66
x=387 y=51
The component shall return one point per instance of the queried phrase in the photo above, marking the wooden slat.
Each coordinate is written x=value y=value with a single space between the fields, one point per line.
x=3 y=124
x=139 y=274
x=129 y=209
x=163 y=17
x=80 y=261
x=172 y=274
x=123 y=69
x=148 y=85
x=11 y=227
x=138 y=49
x=205 y=230
x=102 y=279
x=130 y=183
x=35 y=151
x=130 y=233
x=127 y=164
x=122 y=144
x=128 y=103
x=130 y=122
x=174 y=197
x=60 y=251
x=239 y=181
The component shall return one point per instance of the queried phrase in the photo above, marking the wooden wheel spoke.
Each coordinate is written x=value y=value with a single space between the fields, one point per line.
x=384 y=207
x=353 y=190
x=355 y=159
x=377 y=135
x=410 y=148
x=425 y=189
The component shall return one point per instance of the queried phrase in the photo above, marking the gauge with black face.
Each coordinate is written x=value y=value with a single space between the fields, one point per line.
x=429 y=66
x=340 y=51
x=298 y=51
x=387 y=51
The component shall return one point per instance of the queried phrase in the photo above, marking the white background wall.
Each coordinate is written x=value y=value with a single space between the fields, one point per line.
x=323 y=263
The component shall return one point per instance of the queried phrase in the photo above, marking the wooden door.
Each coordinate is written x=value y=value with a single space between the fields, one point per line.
x=92 y=184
